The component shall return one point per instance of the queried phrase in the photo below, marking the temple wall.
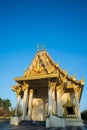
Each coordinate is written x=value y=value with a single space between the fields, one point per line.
x=68 y=96
x=64 y=98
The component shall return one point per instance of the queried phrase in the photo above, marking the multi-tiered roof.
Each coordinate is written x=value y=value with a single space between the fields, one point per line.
x=43 y=67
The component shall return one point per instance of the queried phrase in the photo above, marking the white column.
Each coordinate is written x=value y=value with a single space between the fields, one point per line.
x=77 y=105
x=44 y=110
x=25 y=100
x=30 y=104
x=18 y=103
x=53 y=101
x=58 y=102
x=49 y=100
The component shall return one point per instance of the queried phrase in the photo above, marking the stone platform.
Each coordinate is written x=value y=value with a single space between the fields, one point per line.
x=23 y=126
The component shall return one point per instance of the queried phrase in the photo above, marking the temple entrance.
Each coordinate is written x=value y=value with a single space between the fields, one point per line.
x=70 y=110
x=37 y=109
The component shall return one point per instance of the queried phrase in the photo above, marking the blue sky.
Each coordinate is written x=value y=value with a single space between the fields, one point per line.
x=59 y=24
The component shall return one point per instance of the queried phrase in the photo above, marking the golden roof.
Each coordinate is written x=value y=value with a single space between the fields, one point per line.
x=43 y=66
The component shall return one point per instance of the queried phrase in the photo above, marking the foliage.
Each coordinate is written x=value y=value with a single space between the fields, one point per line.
x=4 y=107
x=6 y=104
x=84 y=115
x=0 y=102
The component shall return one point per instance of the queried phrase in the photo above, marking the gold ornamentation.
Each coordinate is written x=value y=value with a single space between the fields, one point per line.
x=25 y=86
x=58 y=88
x=74 y=77
x=31 y=90
x=25 y=73
x=17 y=89
x=51 y=84
x=82 y=81
x=38 y=69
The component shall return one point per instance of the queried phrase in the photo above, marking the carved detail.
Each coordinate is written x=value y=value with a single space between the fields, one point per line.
x=51 y=84
x=25 y=73
x=25 y=86
x=38 y=69
x=17 y=89
x=31 y=90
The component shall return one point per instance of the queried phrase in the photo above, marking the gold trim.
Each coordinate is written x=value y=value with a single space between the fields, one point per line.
x=36 y=77
x=25 y=86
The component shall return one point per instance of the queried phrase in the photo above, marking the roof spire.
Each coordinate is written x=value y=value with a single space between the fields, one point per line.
x=41 y=47
x=66 y=70
x=83 y=78
x=38 y=47
x=74 y=75
x=82 y=81
x=44 y=47
x=57 y=64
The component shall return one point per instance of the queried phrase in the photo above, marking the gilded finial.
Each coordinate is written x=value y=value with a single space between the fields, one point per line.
x=82 y=81
x=82 y=77
x=44 y=47
x=41 y=47
x=66 y=70
x=58 y=63
x=38 y=47
x=74 y=76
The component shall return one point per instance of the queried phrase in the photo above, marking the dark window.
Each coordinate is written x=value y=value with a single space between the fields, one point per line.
x=69 y=110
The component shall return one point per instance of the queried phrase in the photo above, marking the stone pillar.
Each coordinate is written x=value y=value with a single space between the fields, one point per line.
x=53 y=101
x=44 y=110
x=77 y=105
x=58 y=102
x=49 y=100
x=25 y=100
x=18 y=103
x=30 y=104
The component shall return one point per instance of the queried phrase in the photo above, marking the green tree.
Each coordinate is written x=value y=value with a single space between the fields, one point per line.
x=4 y=107
x=6 y=104
x=1 y=102
x=84 y=115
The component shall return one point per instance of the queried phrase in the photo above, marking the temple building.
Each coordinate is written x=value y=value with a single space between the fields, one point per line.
x=48 y=93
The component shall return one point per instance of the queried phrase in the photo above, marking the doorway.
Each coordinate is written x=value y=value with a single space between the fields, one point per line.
x=70 y=110
x=37 y=109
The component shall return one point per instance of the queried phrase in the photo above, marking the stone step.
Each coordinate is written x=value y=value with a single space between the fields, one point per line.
x=32 y=123
x=7 y=126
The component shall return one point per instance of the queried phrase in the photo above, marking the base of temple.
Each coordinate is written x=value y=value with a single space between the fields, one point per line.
x=74 y=122
x=15 y=120
x=54 y=121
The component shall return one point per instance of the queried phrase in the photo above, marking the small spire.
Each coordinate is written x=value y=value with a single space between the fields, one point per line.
x=38 y=47
x=58 y=63
x=66 y=70
x=44 y=47
x=82 y=80
x=74 y=75
x=41 y=47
